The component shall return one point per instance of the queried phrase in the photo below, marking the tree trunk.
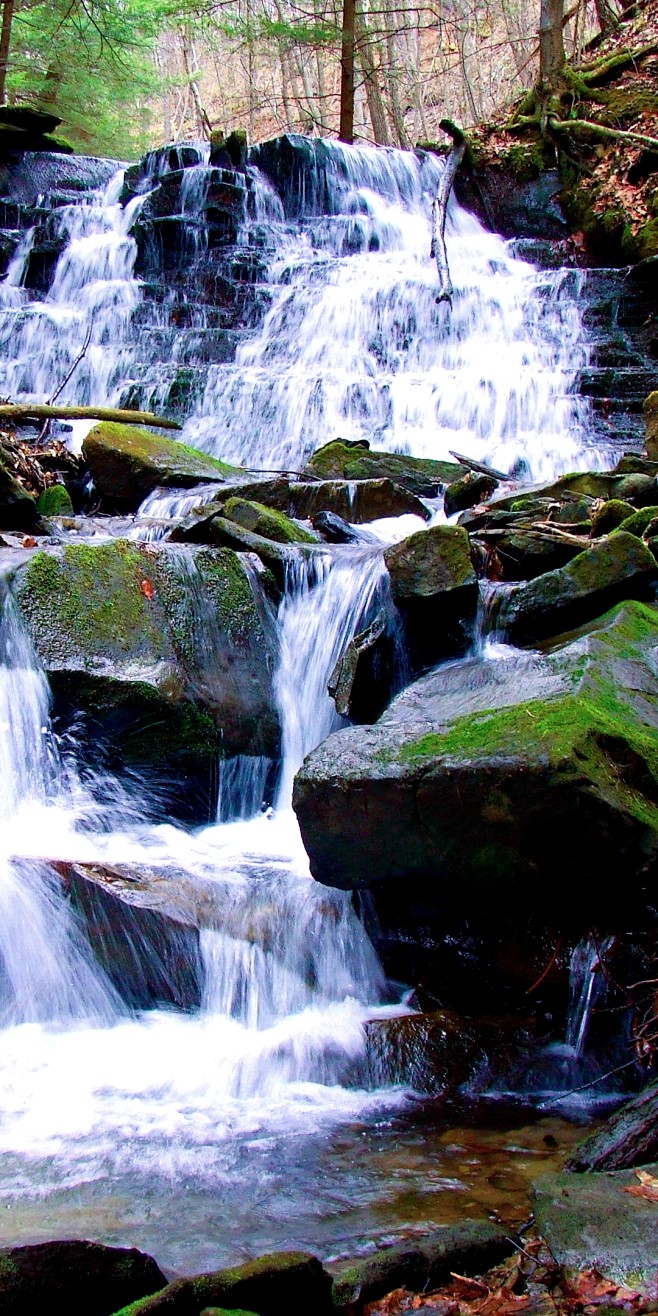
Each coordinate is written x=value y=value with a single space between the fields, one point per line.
x=5 y=42
x=376 y=108
x=551 y=43
x=346 y=130
x=608 y=20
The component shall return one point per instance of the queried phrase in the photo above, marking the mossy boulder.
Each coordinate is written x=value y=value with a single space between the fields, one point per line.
x=290 y=1282
x=468 y=1248
x=651 y=423
x=128 y=461
x=492 y=783
x=267 y=522
x=75 y=1277
x=345 y=460
x=169 y=653
x=638 y=522
x=610 y=514
x=591 y=1222
x=618 y=567
x=434 y=586
x=55 y=501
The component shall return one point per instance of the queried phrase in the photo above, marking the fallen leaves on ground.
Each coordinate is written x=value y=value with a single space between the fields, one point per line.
x=647 y=1187
x=529 y=1283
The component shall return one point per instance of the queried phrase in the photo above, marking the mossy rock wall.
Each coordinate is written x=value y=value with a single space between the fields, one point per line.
x=169 y=652
x=496 y=785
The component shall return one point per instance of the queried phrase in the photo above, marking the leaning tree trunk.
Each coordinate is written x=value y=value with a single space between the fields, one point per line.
x=440 y=208
x=551 y=43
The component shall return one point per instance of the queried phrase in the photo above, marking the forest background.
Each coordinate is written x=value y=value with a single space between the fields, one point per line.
x=127 y=75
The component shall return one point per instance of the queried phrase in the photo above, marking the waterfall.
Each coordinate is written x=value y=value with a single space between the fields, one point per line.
x=45 y=971
x=587 y=986
x=351 y=344
x=354 y=344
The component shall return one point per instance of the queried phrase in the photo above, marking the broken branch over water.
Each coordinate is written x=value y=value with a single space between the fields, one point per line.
x=440 y=206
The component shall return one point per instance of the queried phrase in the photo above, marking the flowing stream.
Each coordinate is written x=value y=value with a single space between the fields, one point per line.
x=117 y=1116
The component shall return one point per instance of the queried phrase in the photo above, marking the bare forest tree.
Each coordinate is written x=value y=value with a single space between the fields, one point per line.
x=384 y=71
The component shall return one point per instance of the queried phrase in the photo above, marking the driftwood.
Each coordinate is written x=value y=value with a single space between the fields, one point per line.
x=439 y=209
x=27 y=411
x=478 y=467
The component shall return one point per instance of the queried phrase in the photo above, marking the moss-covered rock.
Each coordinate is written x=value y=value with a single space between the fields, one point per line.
x=290 y=1282
x=610 y=514
x=55 y=501
x=638 y=522
x=591 y=1222
x=619 y=567
x=344 y=460
x=74 y=1277
x=128 y=461
x=168 y=652
x=434 y=586
x=490 y=783
x=470 y=1247
x=267 y=522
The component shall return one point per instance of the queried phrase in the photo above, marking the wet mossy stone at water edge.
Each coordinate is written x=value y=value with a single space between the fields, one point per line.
x=279 y=1284
x=434 y=585
x=490 y=782
x=344 y=460
x=267 y=522
x=651 y=423
x=74 y=1277
x=168 y=652
x=591 y=1223
x=55 y=501
x=619 y=567
x=128 y=461
x=467 y=1248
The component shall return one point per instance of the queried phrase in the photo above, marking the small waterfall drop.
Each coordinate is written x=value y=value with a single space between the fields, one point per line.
x=587 y=987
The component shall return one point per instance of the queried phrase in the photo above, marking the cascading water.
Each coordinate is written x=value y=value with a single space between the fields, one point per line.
x=353 y=345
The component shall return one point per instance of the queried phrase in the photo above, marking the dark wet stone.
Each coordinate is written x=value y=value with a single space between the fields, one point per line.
x=473 y=488
x=434 y=586
x=293 y=1283
x=127 y=462
x=75 y=1277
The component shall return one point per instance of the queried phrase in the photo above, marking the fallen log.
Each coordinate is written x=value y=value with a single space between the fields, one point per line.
x=440 y=206
x=27 y=411
x=478 y=467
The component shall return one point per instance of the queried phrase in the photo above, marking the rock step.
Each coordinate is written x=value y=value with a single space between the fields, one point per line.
x=617 y=383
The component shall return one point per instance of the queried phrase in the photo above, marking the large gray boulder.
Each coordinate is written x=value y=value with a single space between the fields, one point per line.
x=169 y=651
x=489 y=782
